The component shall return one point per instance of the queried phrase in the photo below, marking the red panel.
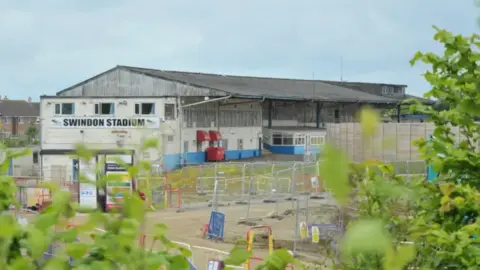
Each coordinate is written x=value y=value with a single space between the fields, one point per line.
x=215 y=135
x=215 y=154
x=202 y=136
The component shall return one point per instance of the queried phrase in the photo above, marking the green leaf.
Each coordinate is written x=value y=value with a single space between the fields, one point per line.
x=237 y=256
x=37 y=242
x=46 y=220
x=334 y=170
x=369 y=120
x=366 y=236
x=405 y=254
x=77 y=250
x=459 y=202
x=447 y=188
x=67 y=236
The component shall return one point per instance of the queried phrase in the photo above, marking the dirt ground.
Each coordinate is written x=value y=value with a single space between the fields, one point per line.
x=186 y=227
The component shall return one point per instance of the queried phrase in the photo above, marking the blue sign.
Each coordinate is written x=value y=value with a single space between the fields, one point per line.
x=86 y=193
x=216 y=226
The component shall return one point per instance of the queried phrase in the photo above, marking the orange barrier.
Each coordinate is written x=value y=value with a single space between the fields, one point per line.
x=250 y=237
x=168 y=195
x=41 y=201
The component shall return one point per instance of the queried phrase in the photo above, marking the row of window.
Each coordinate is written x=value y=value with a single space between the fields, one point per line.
x=199 y=146
x=21 y=120
x=108 y=108
x=206 y=117
x=308 y=114
x=287 y=139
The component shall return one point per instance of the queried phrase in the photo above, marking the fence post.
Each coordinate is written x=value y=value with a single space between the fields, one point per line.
x=244 y=170
x=249 y=197
x=317 y=174
x=307 y=211
x=252 y=174
x=297 y=228
x=293 y=184
x=215 y=188
x=276 y=198
x=215 y=197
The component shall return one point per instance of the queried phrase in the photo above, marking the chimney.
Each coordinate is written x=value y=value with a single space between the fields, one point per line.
x=29 y=99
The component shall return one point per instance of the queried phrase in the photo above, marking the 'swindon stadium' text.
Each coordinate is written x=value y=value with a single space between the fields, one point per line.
x=100 y=122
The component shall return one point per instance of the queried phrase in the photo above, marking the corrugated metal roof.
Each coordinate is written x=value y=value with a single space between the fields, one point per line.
x=19 y=108
x=272 y=88
x=376 y=87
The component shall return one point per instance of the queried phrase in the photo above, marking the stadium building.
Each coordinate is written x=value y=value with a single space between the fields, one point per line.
x=198 y=117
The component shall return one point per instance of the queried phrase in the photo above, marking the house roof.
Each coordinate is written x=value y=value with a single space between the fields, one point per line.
x=19 y=108
x=271 y=88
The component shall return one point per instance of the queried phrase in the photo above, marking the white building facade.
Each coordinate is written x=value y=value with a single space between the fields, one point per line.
x=107 y=124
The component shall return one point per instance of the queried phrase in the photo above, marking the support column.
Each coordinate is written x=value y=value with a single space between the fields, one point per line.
x=317 y=114
x=399 y=108
x=270 y=109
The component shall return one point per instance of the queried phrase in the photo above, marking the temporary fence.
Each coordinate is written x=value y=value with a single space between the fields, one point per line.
x=240 y=183
x=318 y=226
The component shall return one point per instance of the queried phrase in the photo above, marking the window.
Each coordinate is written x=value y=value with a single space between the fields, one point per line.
x=277 y=139
x=387 y=90
x=224 y=144
x=300 y=141
x=169 y=111
x=145 y=108
x=35 y=157
x=185 y=146
x=240 y=144
x=170 y=139
x=21 y=120
x=287 y=139
x=64 y=108
x=6 y=120
x=199 y=146
x=318 y=140
x=105 y=108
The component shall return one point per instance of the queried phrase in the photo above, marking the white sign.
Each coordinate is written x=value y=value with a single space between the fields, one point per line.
x=314 y=182
x=88 y=191
x=105 y=122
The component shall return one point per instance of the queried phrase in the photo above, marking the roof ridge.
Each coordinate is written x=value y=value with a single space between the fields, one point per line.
x=226 y=75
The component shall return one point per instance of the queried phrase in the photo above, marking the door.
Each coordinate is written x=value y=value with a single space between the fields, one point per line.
x=185 y=151
x=260 y=146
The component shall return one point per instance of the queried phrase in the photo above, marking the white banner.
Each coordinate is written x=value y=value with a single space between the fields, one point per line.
x=87 y=191
x=105 y=122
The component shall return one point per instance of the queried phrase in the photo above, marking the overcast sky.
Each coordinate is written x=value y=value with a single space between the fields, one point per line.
x=48 y=45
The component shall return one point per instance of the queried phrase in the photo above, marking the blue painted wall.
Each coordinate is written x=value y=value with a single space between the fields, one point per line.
x=290 y=149
x=173 y=161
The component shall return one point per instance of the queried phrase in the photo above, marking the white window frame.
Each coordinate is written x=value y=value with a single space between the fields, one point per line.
x=60 y=106
x=97 y=108
x=140 y=108
x=224 y=143
x=171 y=117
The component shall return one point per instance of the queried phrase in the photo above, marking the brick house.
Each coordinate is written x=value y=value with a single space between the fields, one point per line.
x=17 y=115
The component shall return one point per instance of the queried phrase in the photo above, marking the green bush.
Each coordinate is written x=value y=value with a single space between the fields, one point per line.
x=418 y=224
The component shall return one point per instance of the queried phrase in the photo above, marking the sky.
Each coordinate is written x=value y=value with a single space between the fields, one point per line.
x=49 y=45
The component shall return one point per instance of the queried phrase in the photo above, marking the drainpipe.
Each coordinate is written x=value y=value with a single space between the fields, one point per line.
x=180 y=129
